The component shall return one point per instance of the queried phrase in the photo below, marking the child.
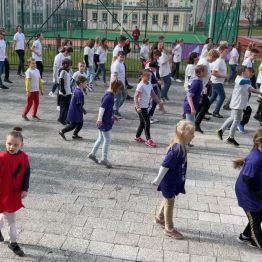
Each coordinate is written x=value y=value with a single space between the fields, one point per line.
x=14 y=184
x=190 y=69
x=238 y=103
x=105 y=122
x=76 y=110
x=65 y=91
x=258 y=115
x=144 y=52
x=233 y=62
x=89 y=60
x=194 y=95
x=249 y=192
x=33 y=84
x=177 y=58
x=81 y=72
x=172 y=175
x=144 y=92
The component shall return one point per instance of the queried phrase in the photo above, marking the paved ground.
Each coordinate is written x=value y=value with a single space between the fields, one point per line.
x=79 y=211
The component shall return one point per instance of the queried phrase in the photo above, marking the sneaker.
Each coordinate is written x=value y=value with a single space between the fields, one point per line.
x=232 y=141
x=25 y=118
x=36 y=118
x=241 y=129
x=252 y=244
x=62 y=134
x=58 y=108
x=153 y=120
x=179 y=81
x=150 y=143
x=1 y=237
x=207 y=118
x=52 y=94
x=190 y=145
x=16 y=249
x=92 y=157
x=129 y=97
x=243 y=239
x=90 y=89
x=129 y=86
x=21 y=75
x=226 y=107
x=105 y=163
x=140 y=139
x=159 y=222
x=4 y=87
x=8 y=81
x=217 y=115
x=198 y=129
x=77 y=137
x=174 y=234
x=208 y=113
x=61 y=122
x=220 y=134
x=117 y=114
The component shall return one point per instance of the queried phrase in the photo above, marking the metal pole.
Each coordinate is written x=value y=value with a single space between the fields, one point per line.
x=211 y=19
x=146 y=18
x=82 y=22
x=238 y=17
x=122 y=17
x=22 y=14
x=195 y=15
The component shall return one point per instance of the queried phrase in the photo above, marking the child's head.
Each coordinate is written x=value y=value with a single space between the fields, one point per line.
x=98 y=41
x=156 y=54
x=81 y=67
x=39 y=37
x=145 y=41
x=223 y=51
x=91 y=43
x=244 y=71
x=193 y=58
x=201 y=71
x=121 y=56
x=153 y=66
x=212 y=55
x=14 y=141
x=67 y=50
x=208 y=40
x=116 y=86
x=253 y=53
x=66 y=64
x=66 y=42
x=31 y=63
x=144 y=75
x=104 y=43
x=121 y=40
x=81 y=81
x=223 y=43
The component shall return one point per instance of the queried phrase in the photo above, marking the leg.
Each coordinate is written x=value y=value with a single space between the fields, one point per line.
x=97 y=143
x=168 y=213
x=35 y=103
x=91 y=75
x=221 y=98
x=228 y=122
x=107 y=139
x=144 y=112
x=190 y=118
x=7 y=69
x=2 y=64
x=237 y=117
x=259 y=112
x=203 y=110
x=103 y=66
x=117 y=100
x=247 y=231
x=226 y=105
x=78 y=128
x=141 y=125
x=23 y=61
x=19 y=62
x=69 y=127
x=9 y=219
x=98 y=71
x=213 y=96
x=246 y=116
x=28 y=105
x=123 y=97
x=160 y=214
x=152 y=109
x=254 y=219
x=177 y=70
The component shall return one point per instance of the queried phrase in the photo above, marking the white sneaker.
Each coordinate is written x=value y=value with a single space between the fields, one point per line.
x=52 y=94
x=179 y=81
x=58 y=108
x=152 y=121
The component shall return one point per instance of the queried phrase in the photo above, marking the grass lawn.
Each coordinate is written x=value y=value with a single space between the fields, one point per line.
x=257 y=31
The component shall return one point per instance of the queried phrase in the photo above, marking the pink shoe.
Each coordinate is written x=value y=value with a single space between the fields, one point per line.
x=150 y=143
x=140 y=139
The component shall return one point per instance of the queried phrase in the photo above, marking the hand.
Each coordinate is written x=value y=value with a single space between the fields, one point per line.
x=138 y=110
x=84 y=111
x=42 y=93
x=28 y=94
x=205 y=91
x=24 y=194
x=161 y=106
x=193 y=112
x=99 y=123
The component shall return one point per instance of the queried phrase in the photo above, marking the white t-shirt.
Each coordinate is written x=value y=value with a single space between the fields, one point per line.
x=145 y=90
x=90 y=52
x=177 y=51
x=164 y=66
x=189 y=73
x=144 y=52
x=67 y=81
x=116 y=50
x=76 y=75
x=204 y=51
x=247 y=53
x=35 y=77
x=259 y=76
x=2 y=50
x=102 y=52
x=20 y=41
x=57 y=65
x=37 y=48
x=234 y=55
x=118 y=70
x=220 y=66
x=247 y=63
x=240 y=94
x=203 y=61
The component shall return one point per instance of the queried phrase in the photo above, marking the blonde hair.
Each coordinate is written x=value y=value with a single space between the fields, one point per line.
x=223 y=43
x=257 y=141
x=115 y=86
x=213 y=53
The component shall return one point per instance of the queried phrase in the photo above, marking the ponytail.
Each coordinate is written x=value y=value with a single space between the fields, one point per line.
x=238 y=163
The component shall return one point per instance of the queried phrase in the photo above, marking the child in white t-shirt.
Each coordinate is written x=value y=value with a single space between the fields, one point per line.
x=233 y=62
x=89 y=60
x=258 y=114
x=190 y=69
x=144 y=92
x=177 y=57
x=33 y=85
x=81 y=72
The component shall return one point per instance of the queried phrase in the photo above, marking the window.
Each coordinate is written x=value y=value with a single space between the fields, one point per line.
x=143 y=18
x=94 y=16
x=114 y=17
x=104 y=17
x=176 y=20
x=134 y=19
x=125 y=16
x=165 y=20
x=155 y=19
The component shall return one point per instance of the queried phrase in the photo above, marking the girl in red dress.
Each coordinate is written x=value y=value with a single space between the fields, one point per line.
x=14 y=184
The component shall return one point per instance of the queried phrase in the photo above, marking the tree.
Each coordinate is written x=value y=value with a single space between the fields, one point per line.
x=249 y=10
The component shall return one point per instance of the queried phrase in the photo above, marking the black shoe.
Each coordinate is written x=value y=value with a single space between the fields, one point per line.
x=129 y=86
x=62 y=134
x=209 y=114
x=1 y=237
x=217 y=115
x=4 y=87
x=207 y=118
x=129 y=97
x=25 y=118
x=117 y=114
x=61 y=122
x=190 y=145
x=16 y=249
x=8 y=81
x=36 y=118
x=220 y=134
x=198 y=129
x=256 y=117
x=243 y=239
x=77 y=137
x=232 y=141
x=226 y=108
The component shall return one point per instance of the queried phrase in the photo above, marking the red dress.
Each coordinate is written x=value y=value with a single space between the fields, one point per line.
x=12 y=173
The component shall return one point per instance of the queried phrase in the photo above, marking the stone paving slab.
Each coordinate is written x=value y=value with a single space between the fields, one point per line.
x=79 y=211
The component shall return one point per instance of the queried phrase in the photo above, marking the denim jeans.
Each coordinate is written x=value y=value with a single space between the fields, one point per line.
x=191 y=118
x=167 y=84
x=90 y=75
x=103 y=137
x=2 y=69
x=120 y=99
x=233 y=73
x=101 y=68
x=218 y=93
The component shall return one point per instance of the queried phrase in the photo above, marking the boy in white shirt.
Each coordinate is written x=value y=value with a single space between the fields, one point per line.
x=177 y=57
x=233 y=62
x=19 y=48
x=119 y=47
x=89 y=60
x=37 y=53
x=2 y=58
x=258 y=115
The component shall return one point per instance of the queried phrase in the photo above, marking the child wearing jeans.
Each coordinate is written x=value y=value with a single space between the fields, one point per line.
x=33 y=85
x=81 y=72
x=105 y=123
x=76 y=110
x=249 y=192
x=144 y=92
x=14 y=184
x=89 y=60
x=238 y=103
x=172 y=176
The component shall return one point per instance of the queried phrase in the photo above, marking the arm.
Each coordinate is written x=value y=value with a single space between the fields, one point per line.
x=27 y=86
x=100 y=116
x=62 y=83
x=190 y=101
x=253 y=90
x=26 y=179
x=155 y=97
x=161 y=173
x=136 y=100
x=41 y=88
x=86 y=60
x=216 y=74
x=81 y=108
